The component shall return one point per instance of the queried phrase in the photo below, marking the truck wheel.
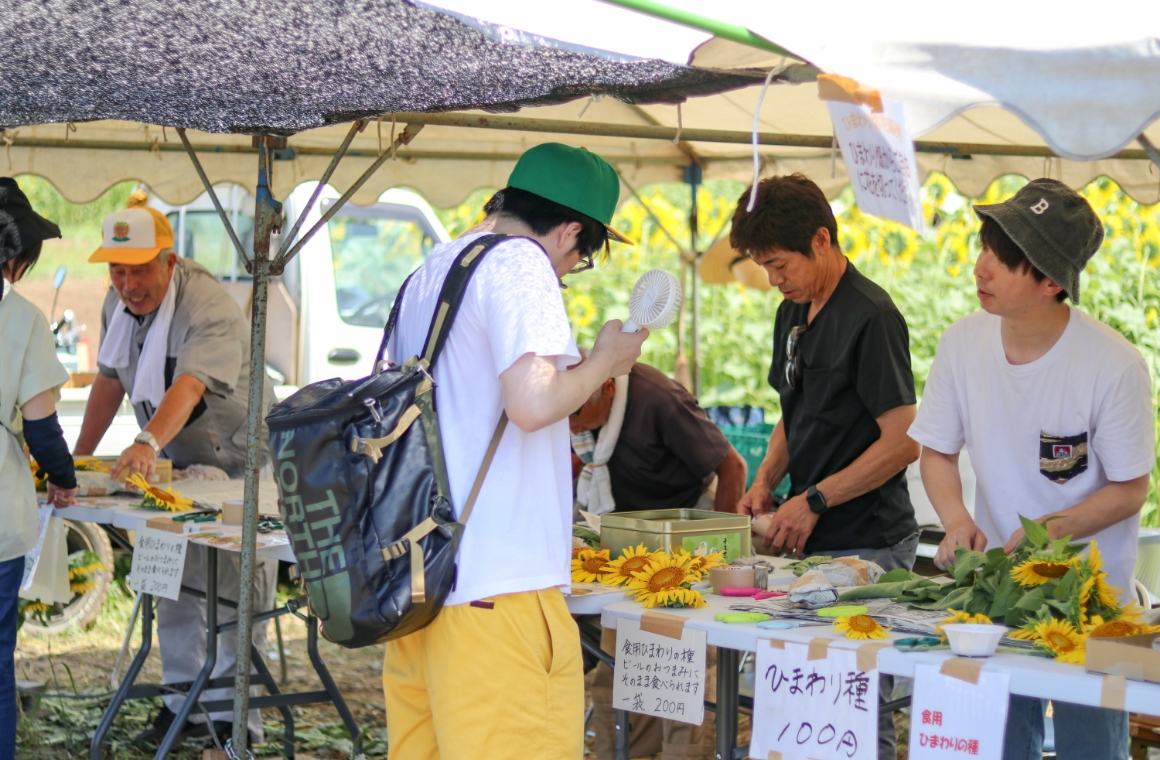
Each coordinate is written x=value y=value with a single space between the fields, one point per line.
x=83 y=609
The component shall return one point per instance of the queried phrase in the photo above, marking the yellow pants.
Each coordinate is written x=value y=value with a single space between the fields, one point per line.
x=488 y=684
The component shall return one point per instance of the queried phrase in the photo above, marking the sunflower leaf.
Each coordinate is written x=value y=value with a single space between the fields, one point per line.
x=1067 y=585
x=1002 y=597
x=995 y=558
x=1032 y=600
x=967 y=562
x=1035 y=533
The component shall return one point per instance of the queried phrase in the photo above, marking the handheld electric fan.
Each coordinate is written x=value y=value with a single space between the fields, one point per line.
x=654 y=302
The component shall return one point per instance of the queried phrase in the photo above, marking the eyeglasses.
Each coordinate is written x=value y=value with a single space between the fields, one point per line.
x=793 y=370
x=586 y=262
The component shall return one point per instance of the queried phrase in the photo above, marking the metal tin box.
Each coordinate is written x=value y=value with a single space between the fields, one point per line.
x=671 y=529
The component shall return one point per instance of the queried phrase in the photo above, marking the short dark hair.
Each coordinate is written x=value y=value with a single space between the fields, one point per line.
x=25 y=260
x=543 y=216
x=992 y=236
x=787 y=214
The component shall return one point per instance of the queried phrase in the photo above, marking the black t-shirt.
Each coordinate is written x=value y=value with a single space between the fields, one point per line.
x=668 y=448
x=855 y=366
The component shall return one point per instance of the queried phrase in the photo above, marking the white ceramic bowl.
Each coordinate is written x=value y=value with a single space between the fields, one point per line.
x=974 y=639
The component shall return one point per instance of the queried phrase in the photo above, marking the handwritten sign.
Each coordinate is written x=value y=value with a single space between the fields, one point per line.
x=158 y=562
x=951 y=718
x=820 y=709
x=879 y=157
x=658 y=674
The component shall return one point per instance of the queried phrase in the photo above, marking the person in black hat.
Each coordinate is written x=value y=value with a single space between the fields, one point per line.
x=1055 y=409
x=30 y=377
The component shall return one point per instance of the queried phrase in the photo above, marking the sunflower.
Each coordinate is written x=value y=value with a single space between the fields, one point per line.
x=589 y=566
x=703 y=563
x=1062 y=639
x=1036 y=572
x=1026 y=633
x=860 y=627
x=155 y=498
x=665 y=583
x=959 y=616
x=82 y=586
x=632 y=559
x=92 y=464
x=1118 y=628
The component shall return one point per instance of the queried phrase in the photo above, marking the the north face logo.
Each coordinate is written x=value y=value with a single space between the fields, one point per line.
x=1040 y=207
x=121 y=232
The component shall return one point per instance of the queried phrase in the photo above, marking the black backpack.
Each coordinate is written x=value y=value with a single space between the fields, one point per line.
x=363 y=488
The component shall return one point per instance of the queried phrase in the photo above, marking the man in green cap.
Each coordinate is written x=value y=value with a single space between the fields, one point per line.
x=1055 y=409
x=499 y=671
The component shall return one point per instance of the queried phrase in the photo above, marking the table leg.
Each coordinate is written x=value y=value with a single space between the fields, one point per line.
x=259 y=664
x=211 y=636
x=623 y=733
x=126 y=682
x=331 y=688
x=727 y=685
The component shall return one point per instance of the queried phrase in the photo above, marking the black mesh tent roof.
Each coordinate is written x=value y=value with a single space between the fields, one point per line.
x=285 y=67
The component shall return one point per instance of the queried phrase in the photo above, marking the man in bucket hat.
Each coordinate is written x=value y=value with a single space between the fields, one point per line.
x=1055 y=409
x=175 y=341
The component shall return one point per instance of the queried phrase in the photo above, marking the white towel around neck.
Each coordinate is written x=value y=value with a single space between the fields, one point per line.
x=594 y=486
x=149 y=383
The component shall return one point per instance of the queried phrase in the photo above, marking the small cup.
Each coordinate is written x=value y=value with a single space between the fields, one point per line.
x=974 y=639
x=232 y=512
x=737 y=576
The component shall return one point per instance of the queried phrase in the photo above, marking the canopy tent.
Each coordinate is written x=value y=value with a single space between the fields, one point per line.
x=86 y=90
x=1041 y=89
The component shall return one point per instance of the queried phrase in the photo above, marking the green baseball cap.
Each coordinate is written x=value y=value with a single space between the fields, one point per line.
x=572 y=177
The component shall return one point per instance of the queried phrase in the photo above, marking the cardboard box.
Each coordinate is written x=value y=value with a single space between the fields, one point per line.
x=1133 y=657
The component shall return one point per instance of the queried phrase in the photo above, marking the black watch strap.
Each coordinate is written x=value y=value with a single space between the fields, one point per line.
x=816 y=501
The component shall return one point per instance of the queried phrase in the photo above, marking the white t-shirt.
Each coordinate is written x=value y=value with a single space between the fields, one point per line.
x=519 y=537
x=1046 y=435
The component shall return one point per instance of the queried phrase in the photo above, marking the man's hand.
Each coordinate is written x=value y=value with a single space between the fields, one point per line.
x=619 y=349
x=138 y=458
x=792 y=524
x=61 y=497
x=756 y=501
x=963 y=533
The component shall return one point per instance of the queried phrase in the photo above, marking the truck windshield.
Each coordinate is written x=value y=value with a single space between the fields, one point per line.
x=374 y=249
x=203 y=238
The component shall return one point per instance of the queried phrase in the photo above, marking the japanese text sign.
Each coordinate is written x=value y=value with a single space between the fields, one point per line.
x=658 y=674
x=158 y=562
x=952 y=718
x=820 y=709
x=879 y=157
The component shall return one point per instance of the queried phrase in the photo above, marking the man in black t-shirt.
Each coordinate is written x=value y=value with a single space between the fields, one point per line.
x=841 y=364
x=667 y=451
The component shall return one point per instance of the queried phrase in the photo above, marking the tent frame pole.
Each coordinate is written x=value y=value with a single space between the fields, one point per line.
x=693 y=175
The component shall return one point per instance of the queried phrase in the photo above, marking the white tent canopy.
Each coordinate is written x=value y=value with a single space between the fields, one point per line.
x=1034 y=93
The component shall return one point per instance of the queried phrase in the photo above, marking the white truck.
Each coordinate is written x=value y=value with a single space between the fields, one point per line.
x=327 y=311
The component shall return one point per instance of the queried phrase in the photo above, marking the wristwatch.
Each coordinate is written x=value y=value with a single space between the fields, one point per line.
x=147 y=438
x=816 y=501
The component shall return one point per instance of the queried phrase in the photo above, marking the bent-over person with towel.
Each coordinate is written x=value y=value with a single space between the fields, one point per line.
x=644 y=443
x=175 y=340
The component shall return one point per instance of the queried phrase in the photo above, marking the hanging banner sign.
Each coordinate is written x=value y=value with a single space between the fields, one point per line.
x=954 y=718
x=812 y=702
x=879 y=157
x=660 y=673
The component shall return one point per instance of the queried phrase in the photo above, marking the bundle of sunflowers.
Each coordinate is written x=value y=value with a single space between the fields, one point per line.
x=1050 y=592
x=656 y=578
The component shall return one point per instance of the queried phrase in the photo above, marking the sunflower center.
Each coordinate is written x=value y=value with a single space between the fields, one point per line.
x=1060 y=642
x=595 y=565
x=1115 y=628
x=666 y=578
x=862 y=623
x=1050 y=569
x=634 y=565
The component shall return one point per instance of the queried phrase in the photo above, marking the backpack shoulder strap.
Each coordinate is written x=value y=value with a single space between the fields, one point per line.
x=451 y=296
x=391 y=320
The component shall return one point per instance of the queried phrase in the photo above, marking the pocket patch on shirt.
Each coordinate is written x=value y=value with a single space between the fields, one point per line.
x=1062 y=457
